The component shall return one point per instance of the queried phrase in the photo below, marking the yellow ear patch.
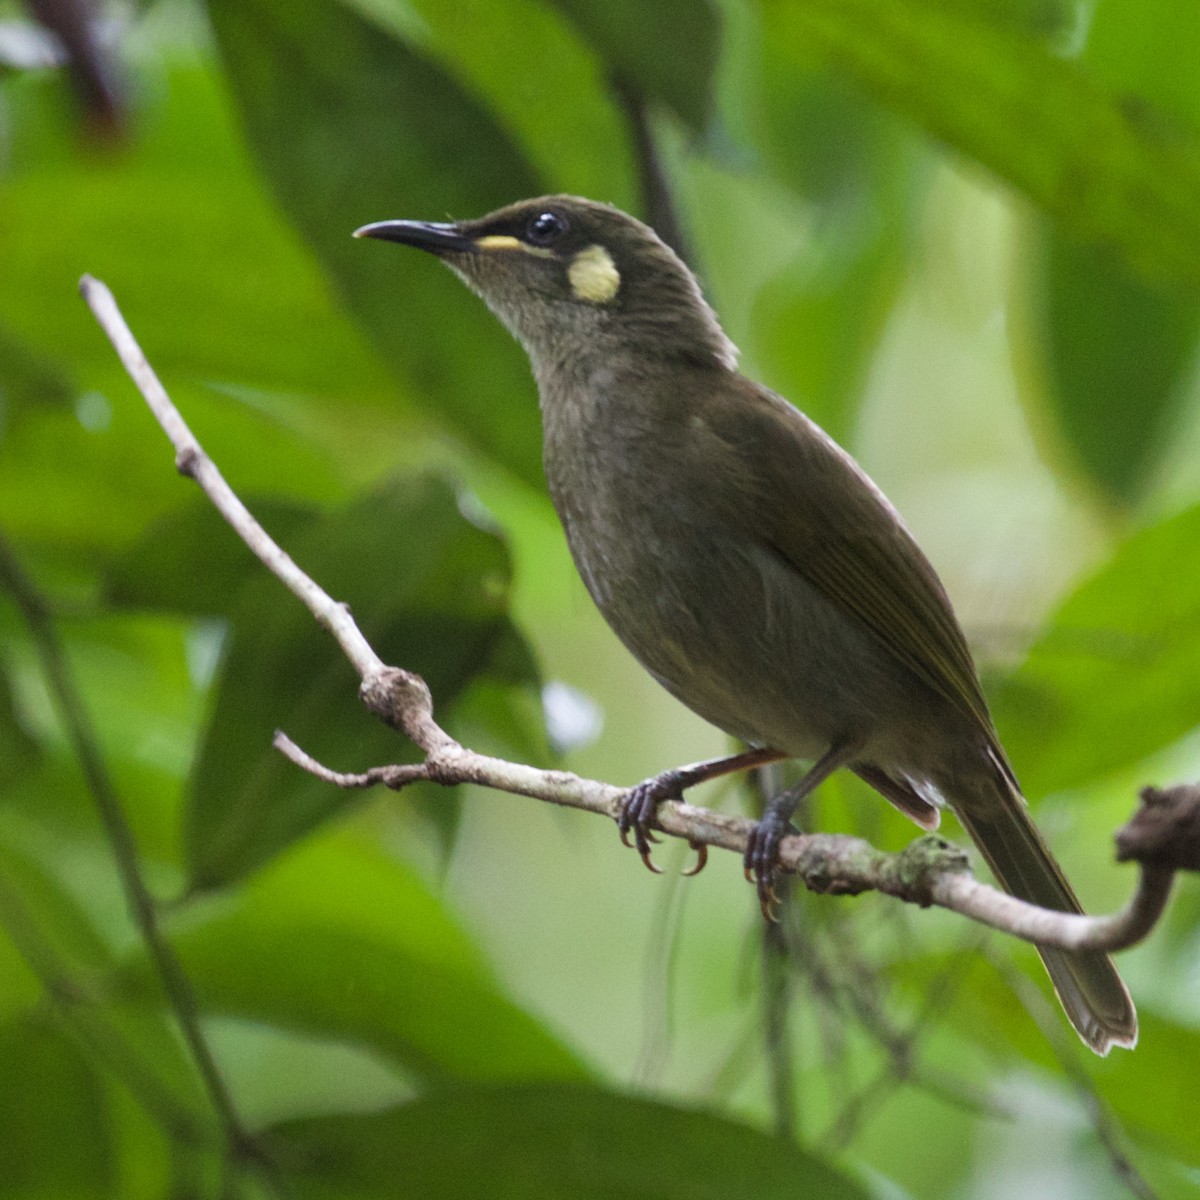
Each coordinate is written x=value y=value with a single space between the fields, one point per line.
x=594 y=276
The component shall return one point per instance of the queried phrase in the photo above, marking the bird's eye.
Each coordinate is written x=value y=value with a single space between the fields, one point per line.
x=545 y=228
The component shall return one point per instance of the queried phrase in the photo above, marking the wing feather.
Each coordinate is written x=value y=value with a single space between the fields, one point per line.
x=825 y=517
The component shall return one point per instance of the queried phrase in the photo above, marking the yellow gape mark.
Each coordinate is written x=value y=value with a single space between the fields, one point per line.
x=501 y=241
x=594 y=276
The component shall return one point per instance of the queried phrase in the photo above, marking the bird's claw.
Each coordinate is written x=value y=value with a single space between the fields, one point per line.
x=701 y=862
x=637 y=812
x=760 y=864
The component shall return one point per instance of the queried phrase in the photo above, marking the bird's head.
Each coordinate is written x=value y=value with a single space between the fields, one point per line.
x=569 y=276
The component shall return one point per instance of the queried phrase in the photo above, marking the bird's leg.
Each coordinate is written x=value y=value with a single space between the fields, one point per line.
x=762 y=848
x=641 y=801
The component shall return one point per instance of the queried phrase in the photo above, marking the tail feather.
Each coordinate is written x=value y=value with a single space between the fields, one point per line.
x=1095 y=999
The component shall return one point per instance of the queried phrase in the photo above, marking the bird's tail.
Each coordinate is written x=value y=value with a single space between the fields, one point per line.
x=1095 y=999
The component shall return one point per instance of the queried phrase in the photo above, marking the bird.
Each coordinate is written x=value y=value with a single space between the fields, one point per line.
x=745 y=558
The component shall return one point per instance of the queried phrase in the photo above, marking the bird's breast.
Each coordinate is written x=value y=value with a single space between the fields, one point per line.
x=689 y=596
x=655 y=517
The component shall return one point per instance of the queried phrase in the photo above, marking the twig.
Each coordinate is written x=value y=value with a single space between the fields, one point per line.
x=191 y=461
x=930 y=871
x=120 y=837
x=861 y=992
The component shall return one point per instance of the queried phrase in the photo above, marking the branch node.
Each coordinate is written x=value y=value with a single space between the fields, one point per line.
x=398 y=698
x=832 y=865
x=1165 y=831
x=920 y=864
x=400 y=775
x=185 y=461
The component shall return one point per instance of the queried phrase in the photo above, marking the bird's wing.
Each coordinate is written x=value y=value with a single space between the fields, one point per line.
x=825 y=517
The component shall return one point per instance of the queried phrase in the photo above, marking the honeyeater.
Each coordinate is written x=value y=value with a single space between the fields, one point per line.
x=745 y=559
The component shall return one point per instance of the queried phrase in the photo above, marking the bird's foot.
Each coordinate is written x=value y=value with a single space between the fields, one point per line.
x=761 y=860
x=637 y=813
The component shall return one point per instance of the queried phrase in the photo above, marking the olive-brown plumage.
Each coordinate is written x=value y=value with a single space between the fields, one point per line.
x=744 y=558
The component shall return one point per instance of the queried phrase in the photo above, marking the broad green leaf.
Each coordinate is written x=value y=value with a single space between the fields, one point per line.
x=821 y=137
x=427 y=588
x=562 y=111
x=573 y=1142
x=351 y=125
x=214 y=285
x=45 y=925
x=49 y=944
x=816 y=323
x=52 y=1109
x=213 y=282
x=665 y=51
x=1109 y=171
x=190 y=561
x=1116 y=673
x=1147 y=1088
x=1150 y=1090
x=143 y=708
x=27 y=378
x=1148 y=47
x=122 y=473
x=1036 y=18
x=336 y=941
x=1120 y=353
x=1120 y=350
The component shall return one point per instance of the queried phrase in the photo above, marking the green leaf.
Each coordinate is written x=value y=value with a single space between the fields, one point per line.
x=1148 y=47
x=46 y=926
x=213 y=282
x=1120 y=350
x=216 y=288
x=50 y=945
x=572 y=1142
x=817 y=322
x=336 y=940
x=1116 y=673
x=562 y=114
x=1150 y=1090
x=53 y=1111
x=665 y=51
x=1120 y=353
x=427 y=588
x=27 y=378
x=351 y=126
x=1113 y=172
x=190 y=561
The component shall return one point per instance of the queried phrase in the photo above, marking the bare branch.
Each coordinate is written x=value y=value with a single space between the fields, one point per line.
x=191 y=461
x=929 y=872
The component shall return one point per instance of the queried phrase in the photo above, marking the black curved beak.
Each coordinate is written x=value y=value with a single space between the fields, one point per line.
x=425 y=235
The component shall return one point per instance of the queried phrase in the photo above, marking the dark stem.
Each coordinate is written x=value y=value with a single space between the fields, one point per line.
x=120 y=837
x=777 y=1033
x=764 y=781
x=658 y=205
x=74 y=1004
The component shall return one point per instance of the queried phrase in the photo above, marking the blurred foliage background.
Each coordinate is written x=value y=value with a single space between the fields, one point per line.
x=961 y=233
